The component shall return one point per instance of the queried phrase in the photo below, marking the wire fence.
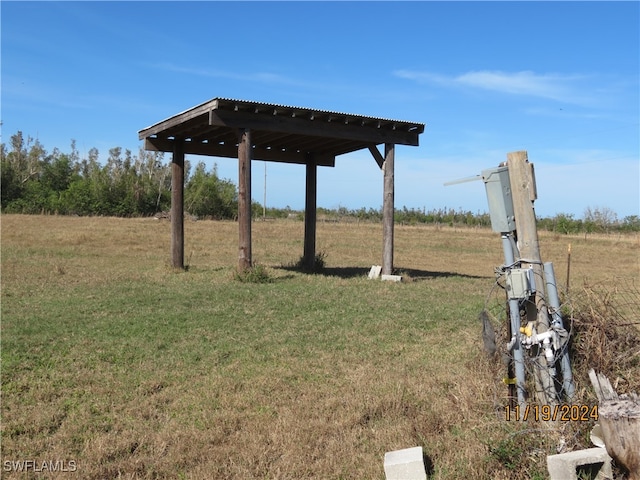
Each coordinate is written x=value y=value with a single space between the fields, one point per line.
x=602 y=323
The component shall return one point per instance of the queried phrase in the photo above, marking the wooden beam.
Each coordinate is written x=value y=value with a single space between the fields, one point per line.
x=388 y=209
x=301 y=126
x=244 y=199
x=377 y=156
x=178 y=119
x=231 y=151
x=310 y=211
x=177 y=205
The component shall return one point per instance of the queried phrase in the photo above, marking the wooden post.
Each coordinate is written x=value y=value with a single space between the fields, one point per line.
x=388 y=209
x=244 y=199
x=309 y=253
x=566 y=289
x=177 y=204
x=523 y=192
x=619 y=417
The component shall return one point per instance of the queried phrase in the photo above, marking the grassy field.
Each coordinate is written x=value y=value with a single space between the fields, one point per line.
x=124 y=368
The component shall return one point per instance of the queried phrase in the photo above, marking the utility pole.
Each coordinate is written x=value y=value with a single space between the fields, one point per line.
x=538 y=339
x=523 y=190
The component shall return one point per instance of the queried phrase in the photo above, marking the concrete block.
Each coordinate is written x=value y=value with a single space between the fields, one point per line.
x=391 y=278
x=406 y=464
x=375 y=272
x=594 y=462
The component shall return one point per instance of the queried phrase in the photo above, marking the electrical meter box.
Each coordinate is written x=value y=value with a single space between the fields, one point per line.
x=496 y=183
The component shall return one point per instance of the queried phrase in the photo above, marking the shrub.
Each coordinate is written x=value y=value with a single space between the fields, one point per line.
x=256 y=274
x=317 y=266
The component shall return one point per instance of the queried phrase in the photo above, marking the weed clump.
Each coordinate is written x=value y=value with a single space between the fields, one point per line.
x=317 y=266
x=256 y=274
x=605 y=334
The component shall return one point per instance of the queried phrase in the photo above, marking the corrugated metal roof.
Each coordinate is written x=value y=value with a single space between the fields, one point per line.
x=314 y=110
x=280 y=132
x=219 y=101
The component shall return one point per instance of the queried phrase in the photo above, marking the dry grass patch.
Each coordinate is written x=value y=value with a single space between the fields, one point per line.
x=133 y=370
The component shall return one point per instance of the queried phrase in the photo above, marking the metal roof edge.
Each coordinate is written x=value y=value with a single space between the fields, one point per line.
x=215 y=103
x=317 y=110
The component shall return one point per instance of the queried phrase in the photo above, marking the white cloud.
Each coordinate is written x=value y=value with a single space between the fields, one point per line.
x=262 y=77
x=562 y=88
x=427 y=77
x=520 y=83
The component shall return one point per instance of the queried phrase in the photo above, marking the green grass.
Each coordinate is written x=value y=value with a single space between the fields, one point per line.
x=114 y=360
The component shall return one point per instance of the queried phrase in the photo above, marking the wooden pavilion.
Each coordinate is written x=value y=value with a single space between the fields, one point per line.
x=252 y=130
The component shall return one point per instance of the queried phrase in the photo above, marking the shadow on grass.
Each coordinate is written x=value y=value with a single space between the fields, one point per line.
x=428 y=464
x=417 y=275
x=353 y=272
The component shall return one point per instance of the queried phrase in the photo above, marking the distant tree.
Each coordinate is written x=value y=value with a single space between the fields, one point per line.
x=206 y=195
x=10 y=184
x=600 y=218
x=57 y=172
x=21 y=169
x=563 y=223
x=631 y=223
x=126 y=184
x=154 y=182
x=79 y=198
x=25 y=157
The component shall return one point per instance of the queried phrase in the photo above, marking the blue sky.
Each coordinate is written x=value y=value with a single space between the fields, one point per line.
x=559 y=80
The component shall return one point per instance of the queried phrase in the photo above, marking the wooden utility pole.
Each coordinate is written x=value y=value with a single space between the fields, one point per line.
x=523 y=191
x=177 y=205
x=244 y=199
x=388 y=209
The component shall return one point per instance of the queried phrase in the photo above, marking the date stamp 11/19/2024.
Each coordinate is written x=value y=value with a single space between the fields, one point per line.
x=546 y=413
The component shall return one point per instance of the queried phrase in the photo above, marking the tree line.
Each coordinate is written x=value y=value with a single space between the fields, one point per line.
x=127 y=184
x=35 y=181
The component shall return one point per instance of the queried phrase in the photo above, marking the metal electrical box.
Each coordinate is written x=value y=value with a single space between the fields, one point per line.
x=496 y=182
x=520 y=283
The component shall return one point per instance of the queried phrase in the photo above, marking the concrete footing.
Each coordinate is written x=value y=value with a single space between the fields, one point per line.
x=391 y=278
x=375 y=272
x=589 y=463
x=406 y=464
